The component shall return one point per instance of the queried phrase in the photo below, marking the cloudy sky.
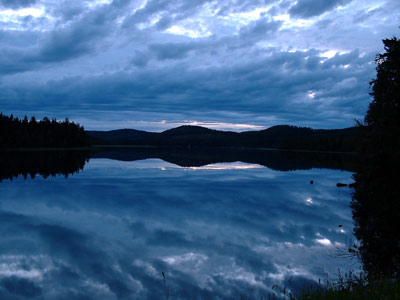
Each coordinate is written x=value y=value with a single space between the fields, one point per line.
x=157 y=64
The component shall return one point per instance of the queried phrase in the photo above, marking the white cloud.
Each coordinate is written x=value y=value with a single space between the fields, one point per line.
x=193 y=33
x=324 y=242
x=192 y=59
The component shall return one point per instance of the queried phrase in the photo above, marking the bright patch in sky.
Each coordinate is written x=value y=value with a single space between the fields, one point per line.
x=34 y=12
x=244 y=18
x=233 y=62
x=10 y=15
x=179 y=30
x=224 y=126
x=12 y=19
x=10 y=265
x=324 y=241
x=289 y=23
x=227 y=166
x=331 y=53
x=98 y=3
x=285 y=18
x=194 y=259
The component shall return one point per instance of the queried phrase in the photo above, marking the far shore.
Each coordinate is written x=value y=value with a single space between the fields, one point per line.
x=102 y=147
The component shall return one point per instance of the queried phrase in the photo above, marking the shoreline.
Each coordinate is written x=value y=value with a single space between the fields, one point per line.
x=102 y=147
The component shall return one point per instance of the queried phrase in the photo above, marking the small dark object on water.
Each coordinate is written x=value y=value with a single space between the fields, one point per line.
x=340 y=225
x=341 y=184
x=311 y=181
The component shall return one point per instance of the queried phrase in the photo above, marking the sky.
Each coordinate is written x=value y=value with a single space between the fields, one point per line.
x=227 y=64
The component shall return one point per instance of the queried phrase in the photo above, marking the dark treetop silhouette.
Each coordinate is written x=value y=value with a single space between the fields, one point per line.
x=44 y=163
x=376 y=200
x=19 y=133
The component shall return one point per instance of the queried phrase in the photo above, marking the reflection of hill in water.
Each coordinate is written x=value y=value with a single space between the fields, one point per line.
x=44 y=163
x=276 y=160
x=52 y=163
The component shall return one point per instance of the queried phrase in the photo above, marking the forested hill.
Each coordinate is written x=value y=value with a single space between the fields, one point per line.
x=24 y=133
x=278 y=137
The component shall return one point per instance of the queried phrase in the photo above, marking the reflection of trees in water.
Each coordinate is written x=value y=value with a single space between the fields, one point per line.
x=201 y=156
x=376 y=200
x=44 y=163
x=376 y=212
x=52 y=163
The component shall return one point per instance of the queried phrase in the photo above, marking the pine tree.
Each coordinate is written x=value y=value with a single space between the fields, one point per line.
x=376 y=199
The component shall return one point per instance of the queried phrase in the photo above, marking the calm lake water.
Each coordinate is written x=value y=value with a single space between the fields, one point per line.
x=216 y=231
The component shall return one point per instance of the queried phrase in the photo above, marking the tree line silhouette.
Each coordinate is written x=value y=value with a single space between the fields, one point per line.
x=20 y=133
x=44 y=163
x=376 y=199
x=25 y=133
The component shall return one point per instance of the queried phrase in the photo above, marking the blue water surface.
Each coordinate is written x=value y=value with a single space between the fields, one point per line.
x=217 y=232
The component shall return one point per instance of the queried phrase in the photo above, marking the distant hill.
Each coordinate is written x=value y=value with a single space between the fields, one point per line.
x=277 y=137
x=120 y=136
x=189 y=130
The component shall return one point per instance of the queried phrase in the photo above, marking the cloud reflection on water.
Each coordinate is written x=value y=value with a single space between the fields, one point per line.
x=109 y=231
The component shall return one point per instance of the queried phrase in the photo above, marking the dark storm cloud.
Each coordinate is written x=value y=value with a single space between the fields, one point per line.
x=259 y=29
x=248 y=35
x=21 y=287
x=15 y=4
x=171 y=50
x=73 y=41
x=61 y=44
x=168 y=239
x=310 y=8
x=198 y=59
x=175 y=11
x=165 y=22
x=270 y=84
x=68 y=11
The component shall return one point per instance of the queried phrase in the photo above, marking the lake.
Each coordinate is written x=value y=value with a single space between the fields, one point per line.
x=217 y=225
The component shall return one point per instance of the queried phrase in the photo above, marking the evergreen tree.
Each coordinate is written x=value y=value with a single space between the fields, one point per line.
x=376 y=199
x=16 y=133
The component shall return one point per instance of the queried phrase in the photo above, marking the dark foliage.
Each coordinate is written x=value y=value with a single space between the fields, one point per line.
x=277 y=137
x=197 y=157
x=376 y=200
x=302 y=138
x=54 y=163
x=44 y=163
x=21 y=133
x=118 y=136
